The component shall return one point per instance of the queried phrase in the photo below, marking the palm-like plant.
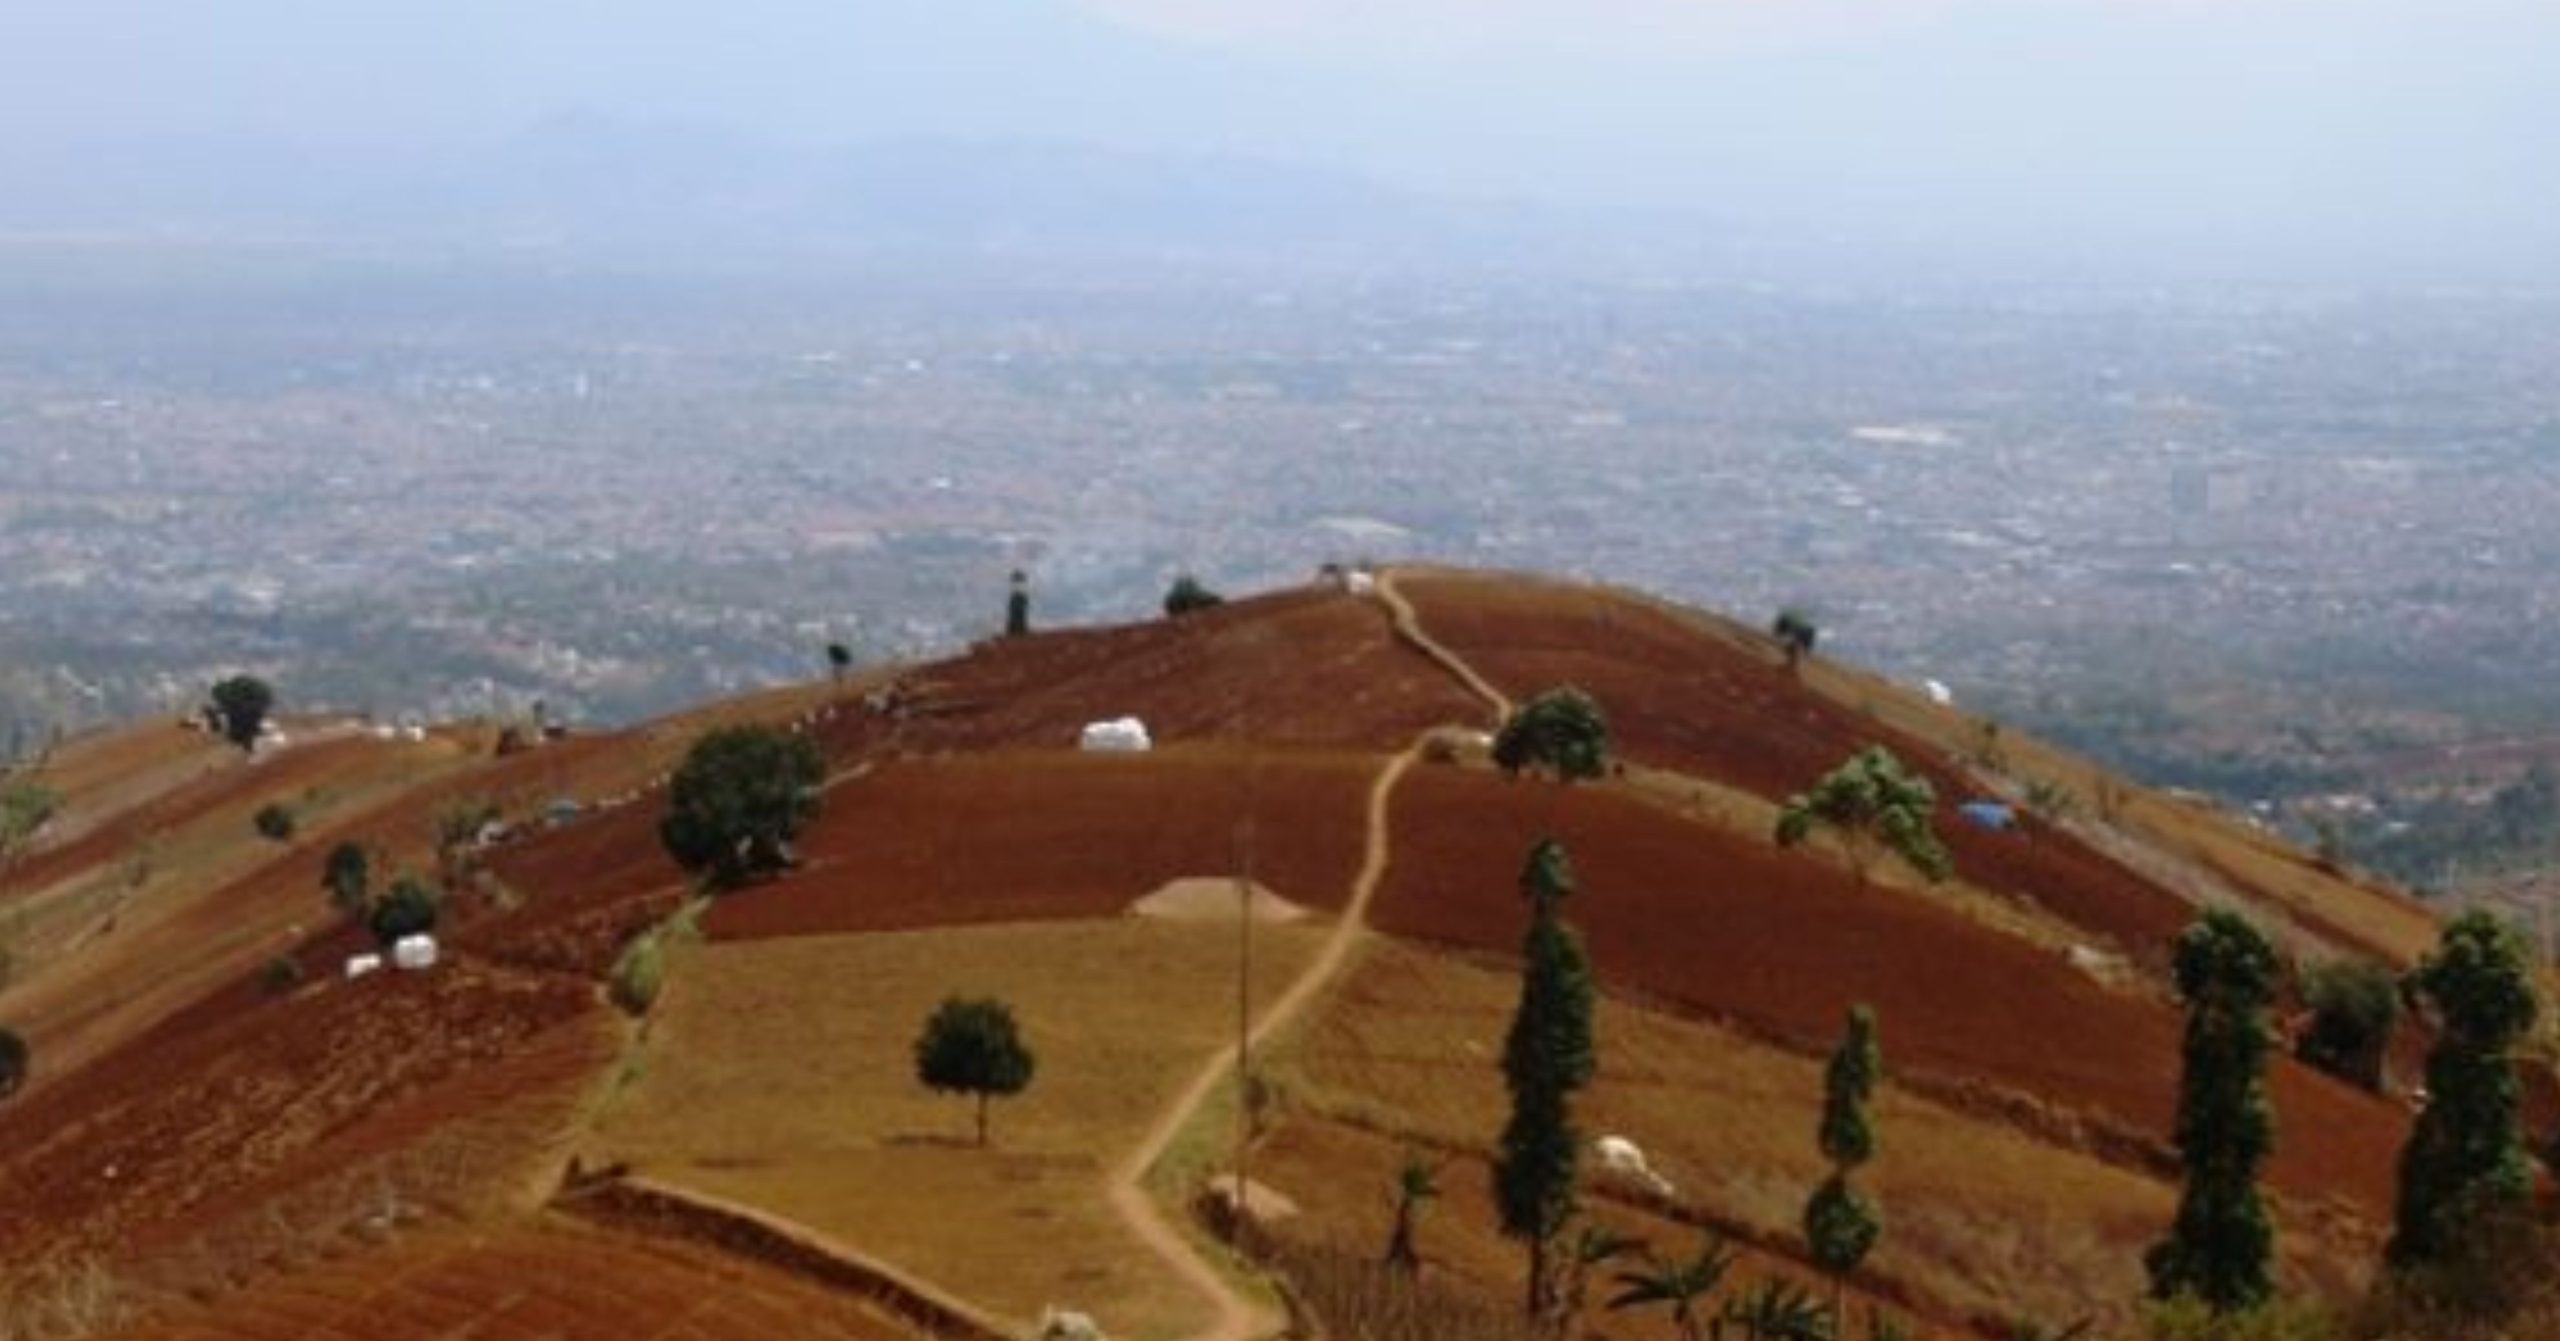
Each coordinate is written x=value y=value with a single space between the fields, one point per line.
x=1678 y=1285
x=1595 y=1246
x=1417 y=1184
x=1780 y=1310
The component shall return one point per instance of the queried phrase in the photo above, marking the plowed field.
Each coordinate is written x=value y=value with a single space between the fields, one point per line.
x=1020 y=836
x=1727 y=708
x=159 y=1143
x=552 y=1279
x=1309 y=667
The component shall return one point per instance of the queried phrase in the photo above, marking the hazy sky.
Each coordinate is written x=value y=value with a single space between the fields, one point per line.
x=2407 y=129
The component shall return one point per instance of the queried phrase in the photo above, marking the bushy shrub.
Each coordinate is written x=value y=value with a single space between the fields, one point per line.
x=408 y=908
x=273 y=822
x=1188 y=594
x=2354 y=1007
x=281 y=975
x=638 y=974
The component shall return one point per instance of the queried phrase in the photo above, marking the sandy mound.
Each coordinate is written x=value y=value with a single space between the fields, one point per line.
x=1212 y=898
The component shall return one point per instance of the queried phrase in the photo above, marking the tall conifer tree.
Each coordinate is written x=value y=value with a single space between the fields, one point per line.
x=1547 y=1057
x=2221 y=1245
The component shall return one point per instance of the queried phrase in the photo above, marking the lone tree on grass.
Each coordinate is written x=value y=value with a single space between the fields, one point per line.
x=1875 y=805
x=1187 y=594
x=2355 y=1004
x=1561 y=730
x=240 y=707
x=839 y=660
x=1794 y=630
x=2465 y=1166
x=1417 y=1186
x=970 y=1046
x=2220 y=1247
x=1547 y=1056
x=1840 y=1224
x=13 y=1062
x=741 y=795
x=1017 y=605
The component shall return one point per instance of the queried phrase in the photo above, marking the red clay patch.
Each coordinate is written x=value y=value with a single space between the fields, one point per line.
x=1734 y=928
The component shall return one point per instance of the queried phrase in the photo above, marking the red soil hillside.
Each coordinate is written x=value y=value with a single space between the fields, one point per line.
x=178 y=1106
x=1728 y=926
x=1307 y=667
x=1017 y=837
x=186 y=1128
x=1691 y=692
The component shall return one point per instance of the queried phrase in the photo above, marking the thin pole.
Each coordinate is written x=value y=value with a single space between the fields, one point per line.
x=1244 y=1017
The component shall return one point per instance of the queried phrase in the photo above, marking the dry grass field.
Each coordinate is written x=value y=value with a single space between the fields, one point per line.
x=1983 y=1220
x=780 y=1073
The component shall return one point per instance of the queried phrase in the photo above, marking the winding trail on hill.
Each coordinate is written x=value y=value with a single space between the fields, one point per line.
x=1238 y=1318
x=1408 y=626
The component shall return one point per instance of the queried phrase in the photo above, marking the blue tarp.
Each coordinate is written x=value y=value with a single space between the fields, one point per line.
x=1988 y=814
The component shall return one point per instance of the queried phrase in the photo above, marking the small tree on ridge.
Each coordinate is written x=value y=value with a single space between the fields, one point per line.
x=1561 y=730
x=740 y=797
x=1874 y=804
x=240 y=707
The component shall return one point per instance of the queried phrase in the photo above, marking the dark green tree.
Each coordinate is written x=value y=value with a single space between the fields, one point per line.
x=2465 y=1165
x=13 y=1062
x=970 y=1046
x=1681 y=1285
x=741 y=795
x=2355 y=1004
x=1417 y=1186
x=273 y=822
x=1841 y=1225
x=348 y=876
x=240 y=706
x=1561 y=730
x=2221 y=1245
x=1545 y=1059
x=839 y=660
x=408 y=908
x=1017 y=606
x=1876 y=805
x=1795 y=633
x=1187 y=595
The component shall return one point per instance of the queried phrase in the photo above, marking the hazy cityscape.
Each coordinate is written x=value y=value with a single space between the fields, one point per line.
x=2243 y=537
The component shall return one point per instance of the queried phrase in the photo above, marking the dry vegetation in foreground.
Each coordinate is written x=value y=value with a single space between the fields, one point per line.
x=1982 y=1219
x=780 y=1074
